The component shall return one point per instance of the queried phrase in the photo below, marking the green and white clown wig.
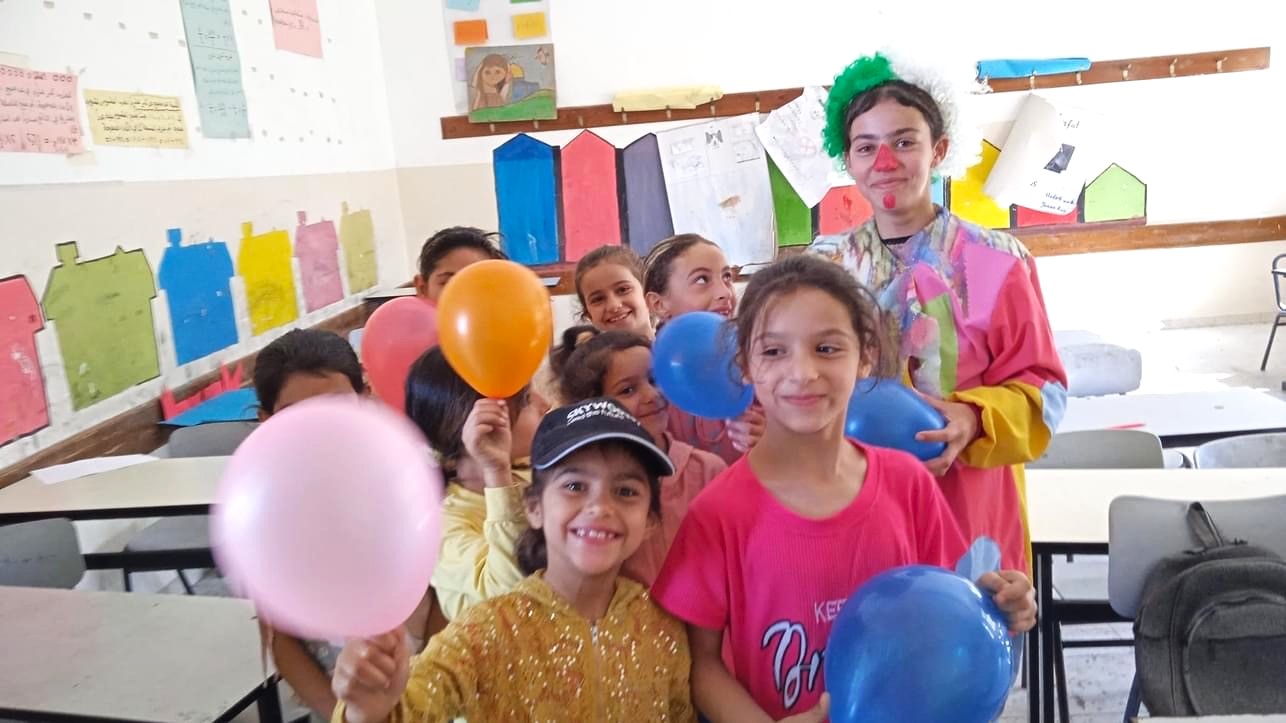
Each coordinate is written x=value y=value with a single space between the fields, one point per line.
x=948 y=90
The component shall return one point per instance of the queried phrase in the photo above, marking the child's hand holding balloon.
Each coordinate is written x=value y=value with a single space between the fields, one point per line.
x=370 y=676
x=1014 y=595
x=488 y=439
x=745 y=431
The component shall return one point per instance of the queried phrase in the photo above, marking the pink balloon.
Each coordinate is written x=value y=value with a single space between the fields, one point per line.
x=328 y=518
x=397 y=333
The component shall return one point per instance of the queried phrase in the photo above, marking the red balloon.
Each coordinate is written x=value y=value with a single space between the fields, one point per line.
x=397 y=333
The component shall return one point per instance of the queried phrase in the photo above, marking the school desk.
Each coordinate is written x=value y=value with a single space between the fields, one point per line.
x=73 y=655
x=164 y=488
x=1068 y=514
x=1180 y=420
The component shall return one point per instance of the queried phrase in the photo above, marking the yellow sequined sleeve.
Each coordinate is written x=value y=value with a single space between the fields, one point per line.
x=681 y=708
x=442 y=680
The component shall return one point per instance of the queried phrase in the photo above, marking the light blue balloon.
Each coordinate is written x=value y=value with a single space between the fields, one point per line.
x=886 y=413
x=694 y=363
x=919 y=643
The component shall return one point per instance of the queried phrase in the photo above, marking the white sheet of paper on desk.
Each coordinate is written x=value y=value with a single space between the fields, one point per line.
x=85 y=467
x=792 y=135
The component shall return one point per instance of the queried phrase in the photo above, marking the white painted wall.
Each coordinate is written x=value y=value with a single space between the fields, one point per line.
x=1206 y=146
x=307 y=115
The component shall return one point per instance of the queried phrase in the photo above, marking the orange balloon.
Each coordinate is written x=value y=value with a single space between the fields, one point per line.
x=495 y=325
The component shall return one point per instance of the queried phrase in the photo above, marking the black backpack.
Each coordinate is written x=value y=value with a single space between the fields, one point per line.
x=1210 y=634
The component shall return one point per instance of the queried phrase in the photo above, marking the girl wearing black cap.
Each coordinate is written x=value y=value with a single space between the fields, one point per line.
x=573 y=641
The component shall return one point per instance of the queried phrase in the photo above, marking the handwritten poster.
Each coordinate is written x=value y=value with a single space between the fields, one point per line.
x=792 y=135
x=22 y=386
x=216 y=68
x=264 y=263
x=716 y=176
x=38 y=112
x=136 y=119
x=317 y=247
x=357 y=239
x=295 y=27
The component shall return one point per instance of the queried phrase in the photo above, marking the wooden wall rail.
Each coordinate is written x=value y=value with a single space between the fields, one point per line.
x=1078 y=239
x=1103 y=71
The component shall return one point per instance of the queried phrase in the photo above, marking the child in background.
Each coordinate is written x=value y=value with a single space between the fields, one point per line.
x=575 y=641
x=686 y=273
x=609 y=285
x=482 y=445
x=450 y=250
x=618 y=364
x=299 y=365
x=807 y=516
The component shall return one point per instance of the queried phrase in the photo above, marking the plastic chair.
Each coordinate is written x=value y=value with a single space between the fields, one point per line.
x=1278 y=272
x=189 y=532
x=1102 y=449
x=1249 y=450
x=1143 y=530
x=44 y=553
x=1095 y=449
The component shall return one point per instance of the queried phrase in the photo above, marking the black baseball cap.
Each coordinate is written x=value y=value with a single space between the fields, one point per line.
x=567 y=429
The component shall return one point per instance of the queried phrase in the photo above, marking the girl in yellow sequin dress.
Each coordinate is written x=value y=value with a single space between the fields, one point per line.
x=574 y=641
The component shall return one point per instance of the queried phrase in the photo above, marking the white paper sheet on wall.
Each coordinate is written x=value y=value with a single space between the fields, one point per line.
x=792 y=135
x=716 y=175
x=1050 y=152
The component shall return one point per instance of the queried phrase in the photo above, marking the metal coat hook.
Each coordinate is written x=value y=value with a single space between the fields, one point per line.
x=712 y=110
x=580 y=120
x=1173 y=63
x=1078 y=77
x=668 y=113
x=1031 y=81
x=756 y=103
x=625 y=117
x=1125 y=72
x=1219 y=65
x=535 y=125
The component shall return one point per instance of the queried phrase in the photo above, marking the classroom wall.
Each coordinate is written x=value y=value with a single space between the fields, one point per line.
x=320 y=144
x=1204 y=145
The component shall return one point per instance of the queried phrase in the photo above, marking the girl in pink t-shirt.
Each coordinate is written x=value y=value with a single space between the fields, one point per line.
x=768 y=554
x=689 y=272
x=618 y=364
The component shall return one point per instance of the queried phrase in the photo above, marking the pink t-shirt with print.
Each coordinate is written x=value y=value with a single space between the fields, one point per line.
x=774 y=581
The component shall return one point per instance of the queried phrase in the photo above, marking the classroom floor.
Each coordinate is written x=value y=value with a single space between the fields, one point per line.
x=1174 y=360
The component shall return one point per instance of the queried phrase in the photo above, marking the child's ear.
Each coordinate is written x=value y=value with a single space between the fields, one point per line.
x=535 y=517
x=421 y=285
x=656 y=304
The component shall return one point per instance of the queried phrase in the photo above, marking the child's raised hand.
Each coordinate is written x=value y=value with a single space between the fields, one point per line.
x=370 y=676
x=487 y=437
x=816 y=714
x=745 y=431
x=1014 y=595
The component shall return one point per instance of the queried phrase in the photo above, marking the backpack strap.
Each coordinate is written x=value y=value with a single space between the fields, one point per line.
x=1203 y=527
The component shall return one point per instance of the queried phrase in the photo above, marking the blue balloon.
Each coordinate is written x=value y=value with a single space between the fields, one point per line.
x=886 y=413
x=919 y=643
x=694 y=362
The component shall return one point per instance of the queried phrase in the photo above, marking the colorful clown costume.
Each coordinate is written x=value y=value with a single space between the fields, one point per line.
x=965 y=313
